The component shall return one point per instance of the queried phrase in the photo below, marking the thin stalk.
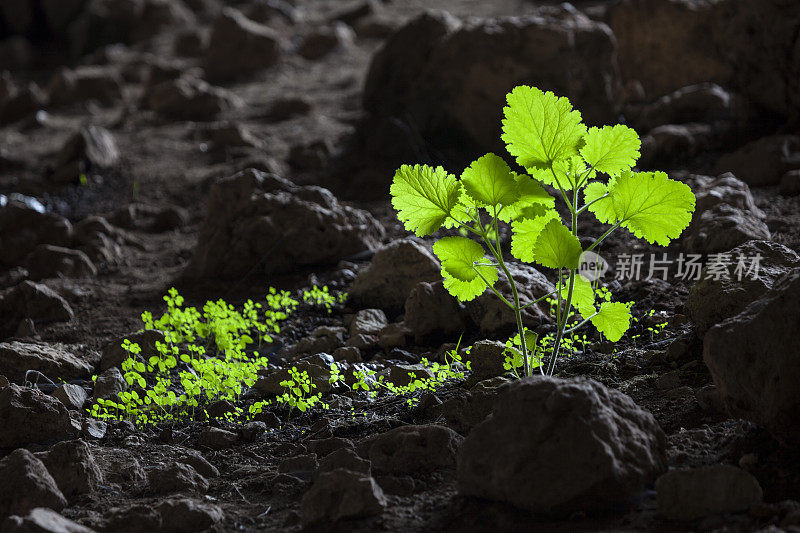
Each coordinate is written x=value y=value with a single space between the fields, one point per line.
x=603 y=236
x=585 y=207
x=527 y=305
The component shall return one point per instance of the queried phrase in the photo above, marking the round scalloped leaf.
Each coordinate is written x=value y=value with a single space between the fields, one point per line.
x=652 y=206
x=424 y=197
x=490 y=182
x=603 y=208
x=613 y=320
x=531 y=195
x=458 y=256
x=525 y=233
x=611 y=149
x=557 y=247
x=540 y=127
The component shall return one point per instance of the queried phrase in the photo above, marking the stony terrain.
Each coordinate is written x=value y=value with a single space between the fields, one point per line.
x=222 y=148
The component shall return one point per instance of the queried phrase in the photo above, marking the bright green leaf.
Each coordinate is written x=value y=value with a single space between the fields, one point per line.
x=461 y=279
x=611 y=149
x=490 y=182
x=649 y=204
x=531 y=194
x=613 y=320
x=564 y=173
x=603 y=208
x=540 y=127
x=557 y=247
x=424 y=197
x=582 y=295
x=525 y=233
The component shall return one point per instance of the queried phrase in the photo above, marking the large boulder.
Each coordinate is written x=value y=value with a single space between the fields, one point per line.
x=28 y=416
x=23 y=228
x=711 y=300
x=725 y=215
x=754 y=361
x=26 y=485
x=748 y=45
x=18 y=357
x=553 y=444
x=239 y=46
x=394 y=271
x=259 y=222
x=762 y=162
x=449 y=78
x=33 y=301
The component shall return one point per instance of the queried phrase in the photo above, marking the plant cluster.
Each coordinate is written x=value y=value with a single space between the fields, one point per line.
x=590 y=169
x=208 y=355
x=322 y=297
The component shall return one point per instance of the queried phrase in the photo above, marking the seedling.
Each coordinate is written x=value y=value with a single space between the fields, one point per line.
x=588 y=168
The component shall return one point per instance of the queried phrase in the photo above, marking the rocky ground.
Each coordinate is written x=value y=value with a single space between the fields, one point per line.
x=226 y=147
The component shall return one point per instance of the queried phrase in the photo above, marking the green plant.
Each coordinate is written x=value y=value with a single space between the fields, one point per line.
x=322 y=297
x=298 y=392
x=547 y=138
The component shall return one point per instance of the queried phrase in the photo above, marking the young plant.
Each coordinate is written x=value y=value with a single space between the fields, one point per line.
x=589 y=169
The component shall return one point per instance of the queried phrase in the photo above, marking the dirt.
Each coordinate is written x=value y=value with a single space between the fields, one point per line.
x=168 y=163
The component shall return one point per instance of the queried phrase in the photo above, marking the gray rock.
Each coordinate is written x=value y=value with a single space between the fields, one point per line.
x=689 y=494
x=85 y=83
x=91 y=149
x=394 y=271
x=368 y=322
x=339 y=495
x=199 y=463
x=23 y=228
x=493 y=316
x=429 y=308
x=300 y=466
x=409 y=449
x=323 y=339
x=704 y=102
x=437 y=66
x=73 y=468
x=28 y=416
x=216 y=438
x=761 y=162
x=348 y=354
x=345 y=458
x=517 y=455
x=48 y=261
x=326 y=40
x=133 y=519
x=260 y=221
x=42 y=520
x=120 y=467
x=239 y=46
x=486 y=359
x=184 y=515
x=188 y=98
x=711 y=301
x=18 y=357
x=27 y=485
x=753 y=359
x=108 y=384
x=393 y=336
x=34 y=301
x=404 y=375
x=674 y=142
x=176 y=477
x=72 y=396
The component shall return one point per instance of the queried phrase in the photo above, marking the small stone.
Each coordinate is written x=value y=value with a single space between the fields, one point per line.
x=188 y=98
x=42 y=520
x=300 y=466
x=324 y=447
x=345 y=458
x=28 y=416
x=323 y=41
x=93 y=429
x=339 y=495
x=404 y=375
x=72 y=396
x=73 y=467
x=409 y=449
x=134 y=519
x=368 y=322
x=362 y=342
x=27 y=485
x=108 y=384
x=487 y=359
x=348 y=354
x=394 y=270
x=253 y=431
x=393 y=336
x=35 y=301
x=696 y=493
x=216 y=438
x=16 y=358
x=186 y=516
x=93 y=147
x=176 y=477
x=239 y=46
